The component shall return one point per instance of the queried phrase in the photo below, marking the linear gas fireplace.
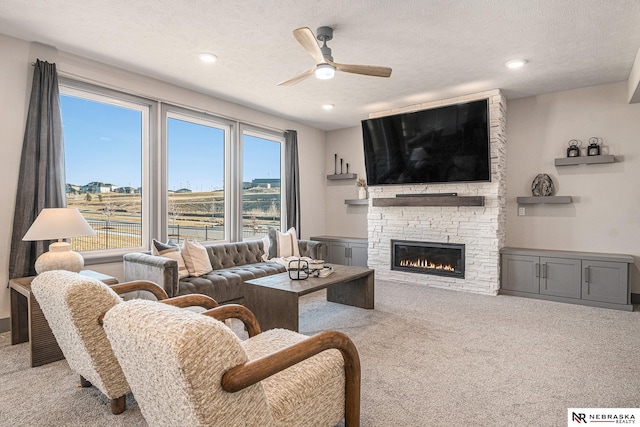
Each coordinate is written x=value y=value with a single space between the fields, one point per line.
x=441 y=259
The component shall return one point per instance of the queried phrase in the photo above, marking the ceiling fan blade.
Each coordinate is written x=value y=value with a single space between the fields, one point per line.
x=297 y=78
x=367 y=70
x=308 y=41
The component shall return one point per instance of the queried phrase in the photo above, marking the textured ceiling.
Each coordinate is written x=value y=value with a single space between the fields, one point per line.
x=437 y=49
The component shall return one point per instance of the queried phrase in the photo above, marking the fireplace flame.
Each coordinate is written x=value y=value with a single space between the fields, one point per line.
x=426 y=264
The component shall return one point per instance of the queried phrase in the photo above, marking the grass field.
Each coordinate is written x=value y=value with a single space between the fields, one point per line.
x=117 y=218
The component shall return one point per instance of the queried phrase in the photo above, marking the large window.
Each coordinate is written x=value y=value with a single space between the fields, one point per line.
x=196 y=167
x=196 y=176
x=105 y=138
x=262 y=183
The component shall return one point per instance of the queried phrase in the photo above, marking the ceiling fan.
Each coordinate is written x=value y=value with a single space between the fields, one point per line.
x=325 y=68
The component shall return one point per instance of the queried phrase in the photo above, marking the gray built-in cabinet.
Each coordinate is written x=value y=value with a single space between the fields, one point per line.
x=344 y=250
x=587 y=278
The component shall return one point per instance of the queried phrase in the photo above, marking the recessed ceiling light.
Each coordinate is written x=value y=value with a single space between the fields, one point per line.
x=328 y=106
x=207 y=57
x=516 y=63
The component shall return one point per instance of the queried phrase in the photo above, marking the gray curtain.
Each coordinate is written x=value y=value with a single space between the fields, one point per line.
x=292 y=177
x=41 y=183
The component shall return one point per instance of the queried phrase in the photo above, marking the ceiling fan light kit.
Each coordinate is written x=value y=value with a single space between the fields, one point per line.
x=325 y=68
x=325 y=71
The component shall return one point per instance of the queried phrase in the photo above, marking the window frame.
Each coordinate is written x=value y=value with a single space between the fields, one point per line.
x=148 y=108
x=154 y=197
x=262 y=133
x=181 y=113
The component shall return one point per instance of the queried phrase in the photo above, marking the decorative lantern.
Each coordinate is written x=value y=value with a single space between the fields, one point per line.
x=594 y=148
x=316 y=264
x=574 y=148
x=298 y=269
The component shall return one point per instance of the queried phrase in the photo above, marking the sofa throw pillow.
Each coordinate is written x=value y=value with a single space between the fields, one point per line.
x=282 y=245
x=265 y=247
x=170 y=250
x=196 y=258
x=158 y=246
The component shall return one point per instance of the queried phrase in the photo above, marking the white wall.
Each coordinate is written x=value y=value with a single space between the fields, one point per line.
x=13 y=86
x=15 y=81
x=341 y=219
x=633 y=85
x=604 y=216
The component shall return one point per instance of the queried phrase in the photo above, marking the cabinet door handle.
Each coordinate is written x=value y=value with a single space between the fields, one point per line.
x=586 y=274
x=544 y=271
x=537 y=270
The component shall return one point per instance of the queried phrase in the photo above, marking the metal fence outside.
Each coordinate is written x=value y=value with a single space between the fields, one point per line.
x=109 y=235
x=213 y=232
x=119 y=234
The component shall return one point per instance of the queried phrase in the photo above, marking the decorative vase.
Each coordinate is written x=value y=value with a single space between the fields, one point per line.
x=542 y=185
x=362 y=193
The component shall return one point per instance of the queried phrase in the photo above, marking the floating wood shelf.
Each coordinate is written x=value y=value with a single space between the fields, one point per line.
x=356 y=202
x=430 y=201
x=343 y=176
x=585 y=160
x=544 y=199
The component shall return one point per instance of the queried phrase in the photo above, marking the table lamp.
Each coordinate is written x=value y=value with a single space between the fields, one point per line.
x=59 y=223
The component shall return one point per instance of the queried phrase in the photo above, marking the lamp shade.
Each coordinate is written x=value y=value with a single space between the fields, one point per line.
x=58 y=223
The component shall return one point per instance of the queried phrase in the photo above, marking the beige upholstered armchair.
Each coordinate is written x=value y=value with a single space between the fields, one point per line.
x=188 y=369
x=72 y=305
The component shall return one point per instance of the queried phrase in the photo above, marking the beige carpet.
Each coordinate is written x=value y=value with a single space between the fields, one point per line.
x=430 y=357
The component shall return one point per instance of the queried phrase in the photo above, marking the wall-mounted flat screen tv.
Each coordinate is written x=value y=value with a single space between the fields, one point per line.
x=439 y=145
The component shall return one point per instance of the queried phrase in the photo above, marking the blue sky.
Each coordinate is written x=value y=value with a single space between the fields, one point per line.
x=102 y=143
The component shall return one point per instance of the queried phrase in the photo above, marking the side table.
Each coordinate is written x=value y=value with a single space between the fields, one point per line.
x=29 y=324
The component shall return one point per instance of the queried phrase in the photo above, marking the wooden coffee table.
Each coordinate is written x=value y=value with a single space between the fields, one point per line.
x=274 y=299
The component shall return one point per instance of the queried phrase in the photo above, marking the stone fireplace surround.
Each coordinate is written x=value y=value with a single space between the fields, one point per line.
x=480 y=228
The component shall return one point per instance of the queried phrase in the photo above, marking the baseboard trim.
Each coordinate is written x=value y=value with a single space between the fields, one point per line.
x=635 y=298
x=5 y=324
